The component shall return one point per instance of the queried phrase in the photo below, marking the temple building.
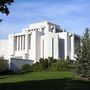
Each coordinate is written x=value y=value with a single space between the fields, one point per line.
x=40 y=40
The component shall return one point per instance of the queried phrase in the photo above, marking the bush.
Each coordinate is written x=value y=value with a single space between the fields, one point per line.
x=53 y=67
x=3 y=65
x=43 y=63
x=64 y=65
x=49 y=64
x=26 y=68
x=51 y=60
x=37 y=67
x=61 y=66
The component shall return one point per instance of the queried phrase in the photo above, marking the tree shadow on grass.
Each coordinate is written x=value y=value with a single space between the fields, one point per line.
x=52 y=84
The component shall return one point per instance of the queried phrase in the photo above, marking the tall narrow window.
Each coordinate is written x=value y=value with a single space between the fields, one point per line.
x=15 y=45
x=43 y=48
x=18 y=42
x=70 y=43
x=24 y=42
x=29 y=41
x=21 y=42
x=52 y=47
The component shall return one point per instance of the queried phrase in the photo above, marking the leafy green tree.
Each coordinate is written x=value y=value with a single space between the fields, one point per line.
x=4 y=6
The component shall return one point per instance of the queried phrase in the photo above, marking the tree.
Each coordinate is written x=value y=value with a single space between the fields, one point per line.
x=83 y=56
x=4 y=6
x=78 y=62
x=85 y=52
x=88 y=64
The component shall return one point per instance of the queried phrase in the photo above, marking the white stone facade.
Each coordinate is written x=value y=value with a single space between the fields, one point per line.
x=40 y=40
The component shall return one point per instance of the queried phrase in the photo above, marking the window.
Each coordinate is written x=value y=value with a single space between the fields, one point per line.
x=24 y=42
x=21 y=42
x=42 y=48
x=15 y=45
x=18 y=42
x=52 y=47
x=29 y=41
x=76 y=43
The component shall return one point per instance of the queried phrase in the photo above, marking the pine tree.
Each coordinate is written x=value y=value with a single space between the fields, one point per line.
x=78 y=62
x=88 y=74
x=83 y=55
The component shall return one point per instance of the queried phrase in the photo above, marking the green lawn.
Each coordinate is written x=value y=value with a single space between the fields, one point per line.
x=43 y=81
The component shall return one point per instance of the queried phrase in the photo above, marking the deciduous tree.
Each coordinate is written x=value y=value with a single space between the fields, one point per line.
x=4 y=6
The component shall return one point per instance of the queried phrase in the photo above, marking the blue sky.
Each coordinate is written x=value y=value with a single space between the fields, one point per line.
x=71 y=15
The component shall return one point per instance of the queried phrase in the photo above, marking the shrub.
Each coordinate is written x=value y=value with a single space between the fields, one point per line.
x=26 y=68
x=51 y=60
x=46 y=63
x=64 y=65
x=37 y=67
x=53 y=67
x=49 y=64
x=43 y=63
x=3 y=65
x=61 y=66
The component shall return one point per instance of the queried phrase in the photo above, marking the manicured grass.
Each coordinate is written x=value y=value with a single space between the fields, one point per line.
x=34 y=76
x=43 y=81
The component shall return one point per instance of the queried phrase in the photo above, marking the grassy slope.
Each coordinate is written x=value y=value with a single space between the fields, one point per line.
x=34 y=76
x=42 y=81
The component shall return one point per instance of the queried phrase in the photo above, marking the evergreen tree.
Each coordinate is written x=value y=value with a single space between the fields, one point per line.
x=83 y=55
x=88 y=74
x=78 y=62
x=85 y=52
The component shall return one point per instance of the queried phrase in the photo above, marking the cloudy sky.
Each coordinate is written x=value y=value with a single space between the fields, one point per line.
x=71 y=15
